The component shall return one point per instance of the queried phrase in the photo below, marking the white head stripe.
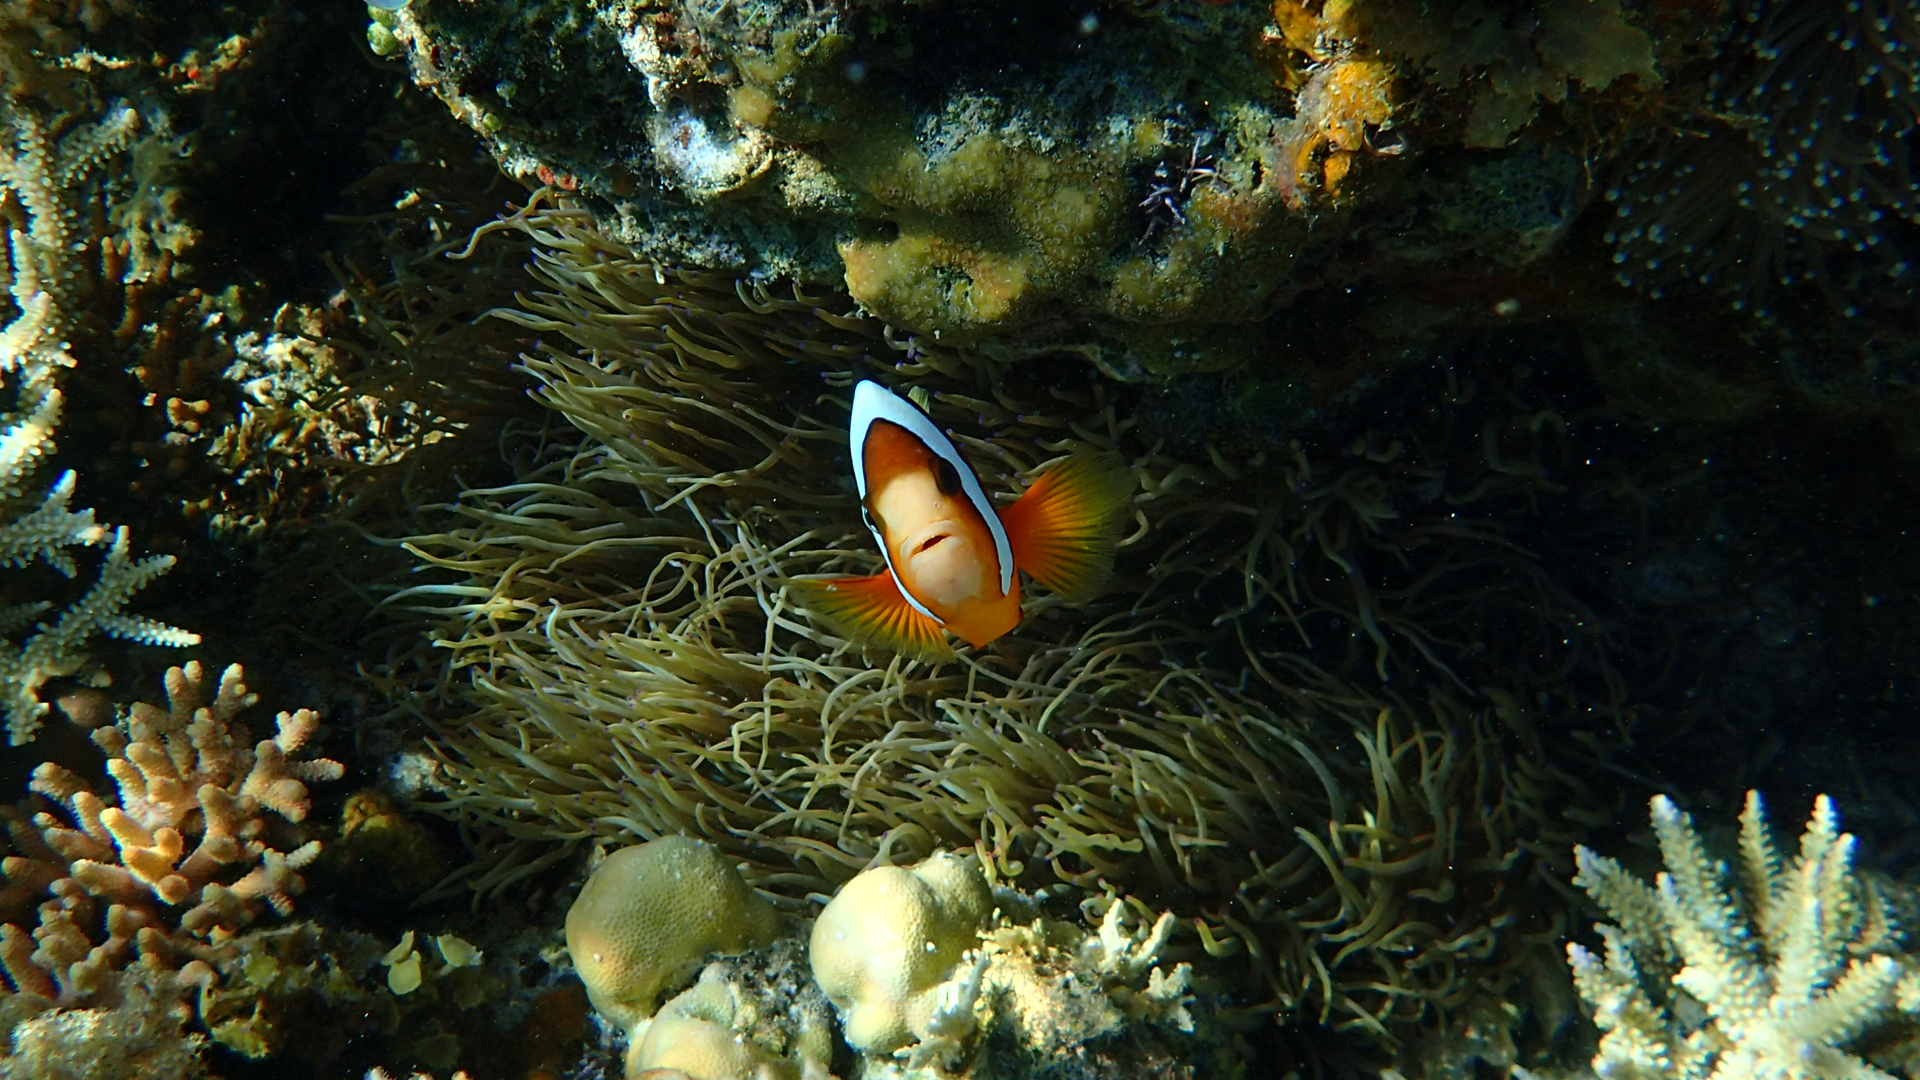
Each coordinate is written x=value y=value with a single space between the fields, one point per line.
x=871 y=402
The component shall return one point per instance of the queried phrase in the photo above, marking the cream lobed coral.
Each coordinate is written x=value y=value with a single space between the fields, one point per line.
x=1786 y=970
x=650 y=914
x=886 y=945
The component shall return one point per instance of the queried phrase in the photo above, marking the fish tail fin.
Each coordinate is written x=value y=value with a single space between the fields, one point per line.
x=872 y=611
x=1064 y=530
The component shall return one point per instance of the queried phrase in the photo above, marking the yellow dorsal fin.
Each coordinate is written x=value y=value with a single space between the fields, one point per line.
x=1063 y=531
x=872 y=611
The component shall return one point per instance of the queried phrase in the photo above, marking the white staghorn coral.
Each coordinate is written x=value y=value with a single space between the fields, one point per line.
x=1792 y=973
x=54 y=648
x=47 y=178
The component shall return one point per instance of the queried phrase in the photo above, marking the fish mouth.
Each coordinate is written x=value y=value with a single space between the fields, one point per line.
x=928 y=536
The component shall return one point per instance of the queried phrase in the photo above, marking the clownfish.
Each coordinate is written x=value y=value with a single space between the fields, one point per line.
x=954 y=560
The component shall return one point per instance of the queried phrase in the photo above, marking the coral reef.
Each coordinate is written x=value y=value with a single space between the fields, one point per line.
x=181 y=218
x=796 y=141
x=1288 y=767
x=123 y=260
x=1783 y=969
x=1177 y=189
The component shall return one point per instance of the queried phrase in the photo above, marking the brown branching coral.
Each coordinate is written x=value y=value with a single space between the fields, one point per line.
x=186 y=830
x=623 y=660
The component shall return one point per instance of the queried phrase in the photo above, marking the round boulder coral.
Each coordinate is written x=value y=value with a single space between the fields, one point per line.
x=889 y=938
x=649 y=916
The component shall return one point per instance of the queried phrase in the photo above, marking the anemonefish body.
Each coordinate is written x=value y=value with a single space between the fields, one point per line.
x=953 y=559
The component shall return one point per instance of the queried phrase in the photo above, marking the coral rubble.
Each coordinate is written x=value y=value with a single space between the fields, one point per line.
x=139 y=1037
x=1787 y=969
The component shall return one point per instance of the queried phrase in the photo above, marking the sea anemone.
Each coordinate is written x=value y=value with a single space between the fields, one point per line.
x=619 y=658
x=1795 y=167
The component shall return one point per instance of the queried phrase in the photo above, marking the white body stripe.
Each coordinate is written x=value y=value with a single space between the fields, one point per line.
x=871 y=402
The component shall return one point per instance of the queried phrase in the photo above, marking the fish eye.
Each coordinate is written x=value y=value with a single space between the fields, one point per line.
x=945 y=475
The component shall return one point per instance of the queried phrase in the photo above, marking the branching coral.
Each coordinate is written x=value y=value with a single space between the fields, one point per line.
x=47 y=179
x=1777 y=970
x=624 y=662
x=186 y=774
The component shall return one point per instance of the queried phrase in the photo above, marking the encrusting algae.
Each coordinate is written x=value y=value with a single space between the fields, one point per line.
x=625 y=661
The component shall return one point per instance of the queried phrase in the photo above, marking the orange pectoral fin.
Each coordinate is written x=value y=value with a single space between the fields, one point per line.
x=1063 y=530
x=872 y=611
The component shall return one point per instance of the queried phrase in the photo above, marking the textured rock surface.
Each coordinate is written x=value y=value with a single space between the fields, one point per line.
x=1116 y=178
